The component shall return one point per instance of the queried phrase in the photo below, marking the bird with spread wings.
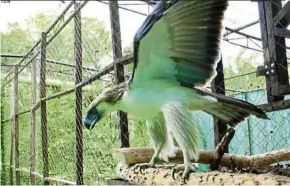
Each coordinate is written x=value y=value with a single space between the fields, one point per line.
x=176 y=50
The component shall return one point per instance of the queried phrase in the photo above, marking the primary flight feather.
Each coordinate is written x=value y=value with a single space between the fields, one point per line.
x=176 y=50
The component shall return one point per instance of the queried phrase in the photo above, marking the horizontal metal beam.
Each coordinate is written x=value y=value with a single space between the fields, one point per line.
x=69 y=65
x=281 y=32
x=284 y=89
x=243 y=34
x=124 y=60
x=246 y=35
x=10 y=65
x=129 y=10
x=243 y=46
x=282 y=19
x=48 y=61
x=275 y=106
x=241 y=27
x=151 y=3
x=12 y=55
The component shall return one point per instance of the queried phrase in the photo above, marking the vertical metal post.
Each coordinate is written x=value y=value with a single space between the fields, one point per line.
x=11 y=175
x=33 y=122
x=118 y=69
x=16 y=124
x=274 y=50
x=249 y=128
x=218 y=86
x=3 y=176
x=78 y=92
x=43 y=108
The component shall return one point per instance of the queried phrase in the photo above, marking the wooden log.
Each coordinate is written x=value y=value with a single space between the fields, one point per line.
x=131 y=156
x=161 y=176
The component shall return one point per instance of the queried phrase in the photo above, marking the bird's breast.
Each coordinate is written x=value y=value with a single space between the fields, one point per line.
x=141 y=103
x=147 y=100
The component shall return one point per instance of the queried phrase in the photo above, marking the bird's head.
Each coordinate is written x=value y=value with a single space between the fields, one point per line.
x=104 y=104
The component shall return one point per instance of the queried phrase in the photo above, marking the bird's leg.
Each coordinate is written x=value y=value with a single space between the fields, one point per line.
x=187 y=167
x=153 y=160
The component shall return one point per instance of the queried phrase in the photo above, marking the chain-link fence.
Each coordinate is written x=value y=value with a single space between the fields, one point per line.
x=45 y=95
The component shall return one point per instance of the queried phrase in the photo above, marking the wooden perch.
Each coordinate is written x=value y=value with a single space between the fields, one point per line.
x=161 y=176
x=131 y=156
x=221 y=147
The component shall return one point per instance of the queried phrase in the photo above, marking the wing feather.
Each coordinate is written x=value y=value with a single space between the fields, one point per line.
x=179 y=39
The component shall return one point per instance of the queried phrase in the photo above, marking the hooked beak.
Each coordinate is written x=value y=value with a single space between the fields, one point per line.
x=91 y=118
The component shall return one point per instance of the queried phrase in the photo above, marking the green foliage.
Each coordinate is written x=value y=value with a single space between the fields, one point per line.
x=15 y=41
x=241 y=76
x=95 y=37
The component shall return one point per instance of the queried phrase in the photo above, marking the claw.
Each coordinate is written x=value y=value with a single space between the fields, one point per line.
x=143 y=166
x=186 y=171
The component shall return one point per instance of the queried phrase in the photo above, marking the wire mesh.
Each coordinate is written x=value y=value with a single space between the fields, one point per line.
x=100 y=46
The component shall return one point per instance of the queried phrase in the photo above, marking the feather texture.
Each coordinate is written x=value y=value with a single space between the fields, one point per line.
x=161 y=138
x=180 y=124
x=231 y=110
x=180 y=40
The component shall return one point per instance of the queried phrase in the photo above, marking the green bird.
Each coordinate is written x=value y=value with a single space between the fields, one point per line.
x=176 y=50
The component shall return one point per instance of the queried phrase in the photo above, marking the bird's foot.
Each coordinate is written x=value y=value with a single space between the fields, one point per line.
x=187 y=169
x=140 y=166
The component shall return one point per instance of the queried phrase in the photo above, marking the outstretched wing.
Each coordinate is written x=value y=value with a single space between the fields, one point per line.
x=179 y=41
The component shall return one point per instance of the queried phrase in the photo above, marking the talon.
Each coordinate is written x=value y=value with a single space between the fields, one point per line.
x=143 y=166
x=173 y=173
x=186 y=171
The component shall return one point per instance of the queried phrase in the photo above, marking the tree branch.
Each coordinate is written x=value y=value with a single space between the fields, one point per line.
x=221 y=147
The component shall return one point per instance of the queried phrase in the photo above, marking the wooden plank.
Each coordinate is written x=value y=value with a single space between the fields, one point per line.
x=118 y=68
x=33 y=121
x=43 y=115
x=274 y=50
x=283 y=16
x=78 y=93
x=218 y=86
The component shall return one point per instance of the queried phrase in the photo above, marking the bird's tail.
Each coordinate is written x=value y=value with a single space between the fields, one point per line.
x=232 y=110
